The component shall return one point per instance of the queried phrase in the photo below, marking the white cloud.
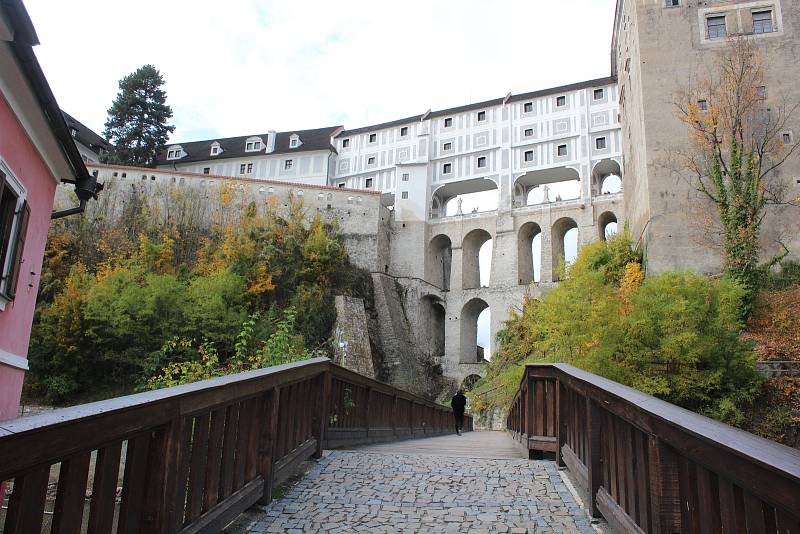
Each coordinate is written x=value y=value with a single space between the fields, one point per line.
x=246 y=66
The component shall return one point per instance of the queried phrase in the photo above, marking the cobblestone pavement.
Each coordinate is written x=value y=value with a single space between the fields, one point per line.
x=352 y=491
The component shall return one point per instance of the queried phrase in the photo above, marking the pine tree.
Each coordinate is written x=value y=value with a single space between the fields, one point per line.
x=137 y=119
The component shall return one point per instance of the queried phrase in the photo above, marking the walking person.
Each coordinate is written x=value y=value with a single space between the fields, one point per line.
x=458 y=403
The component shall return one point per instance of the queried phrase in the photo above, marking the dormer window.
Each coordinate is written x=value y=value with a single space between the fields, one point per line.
x=253 y=144
x=175 y=152
x=294 y=141
x=215 y=149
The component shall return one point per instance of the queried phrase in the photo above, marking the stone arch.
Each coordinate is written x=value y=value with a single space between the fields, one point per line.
x=470 y=253
x=559 y=232
x=469 y=382
x=469 y=330
x=548 y=183
x=439 y=264
x=606 y=177
x=448 y=194
x=603 y=221
x=526 y=263
x=432 y=319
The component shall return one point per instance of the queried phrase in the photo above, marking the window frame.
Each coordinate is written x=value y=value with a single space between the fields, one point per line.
x=482 y=159
x=563 y=100
x=672 y=3
x=558 y=150
x=770 y=21
x=371 y=160
x=215 y=150
x=702 y=104
x=527 y=107
x=11 y=266
x=481 y=116
x=447 y=146
x=206 y=170
x=368 y=183
x=602 y=94
x=346 y=143
x=404 y=177
x=373 y=138
x=597 y=141
x=288 y=164
x=448 y=122
x=447 y=168
x=724 y=26
x=404 y=195
x=526 y=134
x=525 y=156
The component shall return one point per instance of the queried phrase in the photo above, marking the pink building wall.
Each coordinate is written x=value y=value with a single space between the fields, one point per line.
x=24 y=160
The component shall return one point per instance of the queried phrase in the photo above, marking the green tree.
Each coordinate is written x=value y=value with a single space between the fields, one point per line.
x=137 y=119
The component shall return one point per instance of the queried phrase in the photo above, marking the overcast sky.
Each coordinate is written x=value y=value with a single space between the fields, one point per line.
x=245 y=66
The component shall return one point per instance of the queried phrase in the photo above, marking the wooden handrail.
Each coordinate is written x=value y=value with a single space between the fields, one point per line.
x=196 y=455
x=649 y=466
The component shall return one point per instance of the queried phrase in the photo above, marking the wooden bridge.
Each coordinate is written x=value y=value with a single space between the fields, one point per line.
x=193 y=458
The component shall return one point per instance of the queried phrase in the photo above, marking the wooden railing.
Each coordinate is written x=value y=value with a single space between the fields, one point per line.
x=647 y=465
x=191 y=458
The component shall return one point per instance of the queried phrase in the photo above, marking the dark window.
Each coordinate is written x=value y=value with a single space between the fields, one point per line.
x=702 y=105
x=404 y=195
x=12 y=236
x=672 y=3
x=562 y=150
x=715 y=27
x=762 y=22
x=600 y=143
x=405 y=177
x=761 y=91
x=529 y=155
x=448 y=122
x=368 y=183
x=341 y=185
x=787 y=138
x=561 y=101
x=528 y=132
x=599 y=94
x=481 y=115
x=371 y=160
x=249 y=168
x=346 y=143
x=447 y=168
x=528 y=107
x=124 y=174
x=206 y=170
x=482 y=162
x=404 y=131
x=373 y=138
x=242 y=168
x=287 y=165
x=447 y=146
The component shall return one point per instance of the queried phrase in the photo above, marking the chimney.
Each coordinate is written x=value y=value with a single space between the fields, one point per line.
x=271 y=134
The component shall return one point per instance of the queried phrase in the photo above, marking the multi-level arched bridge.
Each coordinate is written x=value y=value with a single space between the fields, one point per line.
x=194 y=458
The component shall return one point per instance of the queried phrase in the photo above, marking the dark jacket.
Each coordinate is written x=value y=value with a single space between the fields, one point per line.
x=458 y=403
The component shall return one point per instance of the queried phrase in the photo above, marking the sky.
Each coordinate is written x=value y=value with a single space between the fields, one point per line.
x=245 y=66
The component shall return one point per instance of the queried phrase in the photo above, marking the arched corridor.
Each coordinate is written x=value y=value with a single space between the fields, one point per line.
x=546 y=186
x=471 y=259
x=565 y=244
x=471 y=351
x=439 y=264
x=607 y=225
x=606 y=178
x=529 y=258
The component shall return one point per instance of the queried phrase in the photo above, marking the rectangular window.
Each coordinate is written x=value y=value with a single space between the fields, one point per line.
x=404 y=131
x=529 y=155
x=249 y=146
x=702 y=105
x=341 y=185
x=287 y=165
x=404 y=195
x=561 y=101
x=373 y=138
x=371 y=160
x=528 y=107
x=249 y=168
x=448 y=122
x=368 y=183
x=447 y=146
x=206 y=170
x=599 y=94
x=672 y=3
x=405 y=176
x=14 y=215
x=257 y=145
x=447 y=168
x=292 y=143
x=481 y=116
x=529 y=132
x=482 y=162
x=715 y=27
x=171 y=154
x=346 y=143
x=787 y=138
x=242 y=168
x=600 y=143
x=561 y=151
x=762 y=21
x=214 y=150
x=761 y=91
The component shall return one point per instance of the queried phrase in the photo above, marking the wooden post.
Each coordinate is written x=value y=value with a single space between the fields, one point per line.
x=268 y=442
x=367 y=410
x=665 y=510
x=561 y=421
x=320 y=429
x=394 y=415
x=594 y=459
